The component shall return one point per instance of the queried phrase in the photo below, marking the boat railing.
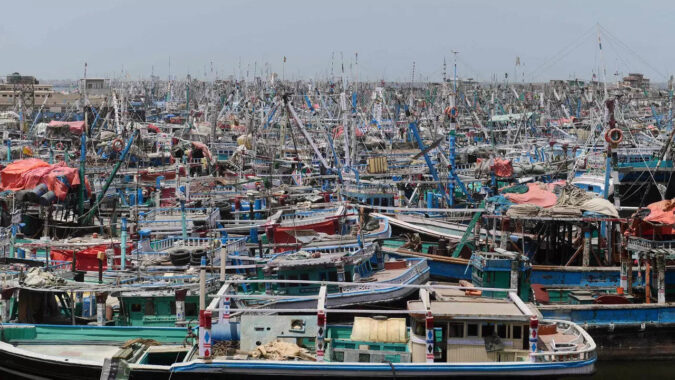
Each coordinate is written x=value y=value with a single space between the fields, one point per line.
x=232 y=245
x=173 y=211
x=587 y=352
x=60 y=266
x=639 y=244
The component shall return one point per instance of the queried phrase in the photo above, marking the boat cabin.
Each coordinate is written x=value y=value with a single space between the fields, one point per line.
x=501 y=270
x=471 y=329
x=346 y=263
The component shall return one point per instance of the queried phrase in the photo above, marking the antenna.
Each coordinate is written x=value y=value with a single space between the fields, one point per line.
x=455 y=52
x=412 y=77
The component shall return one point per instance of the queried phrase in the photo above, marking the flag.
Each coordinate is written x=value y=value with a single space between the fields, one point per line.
x=599 y=43
x=284 y=59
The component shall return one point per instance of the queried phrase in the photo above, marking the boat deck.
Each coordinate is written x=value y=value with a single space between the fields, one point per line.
x=385 y=275
x=91 y=352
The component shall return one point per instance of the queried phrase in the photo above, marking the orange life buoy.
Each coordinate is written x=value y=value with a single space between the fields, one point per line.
x=450 y=111
x=117 y=145
x=614 y=136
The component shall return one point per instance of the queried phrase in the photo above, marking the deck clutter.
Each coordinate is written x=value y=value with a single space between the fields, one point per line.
x=190 y=229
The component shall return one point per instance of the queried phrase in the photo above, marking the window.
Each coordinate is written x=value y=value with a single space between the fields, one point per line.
x=281 y=284
x=456 y=330
x=304 y=277
x=191 y=309
x=501 y=331
x=471 y=329
x=487 y=329
x=149 y=308
x=517 y=332
x=420 y=329
x=364 y=358
x=332 y=276
x=136 y=307
x=322 y=276
x=293 y=277
x=338 y=356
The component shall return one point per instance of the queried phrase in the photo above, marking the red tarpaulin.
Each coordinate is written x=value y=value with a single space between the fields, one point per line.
x=502 y=168
x=87 y=259
x=27 y=174
x=153 y=128
x=75 y=127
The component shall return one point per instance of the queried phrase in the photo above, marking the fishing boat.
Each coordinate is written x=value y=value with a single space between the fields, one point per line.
x=444 y=333
x=350 y=263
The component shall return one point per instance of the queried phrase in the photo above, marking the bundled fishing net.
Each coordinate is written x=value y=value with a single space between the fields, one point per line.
x=280 y=350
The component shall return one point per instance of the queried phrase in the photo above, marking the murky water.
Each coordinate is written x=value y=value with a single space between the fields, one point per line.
x=612 y=370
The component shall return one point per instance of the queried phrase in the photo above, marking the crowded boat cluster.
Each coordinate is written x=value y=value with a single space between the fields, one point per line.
x=193 y=229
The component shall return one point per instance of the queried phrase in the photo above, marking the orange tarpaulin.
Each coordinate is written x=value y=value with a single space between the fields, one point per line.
x=27 y=174
x=661 y=212
x=538 y=194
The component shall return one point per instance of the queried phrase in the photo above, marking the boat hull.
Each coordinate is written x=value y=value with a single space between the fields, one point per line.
x=455 y=268
x=232 y=369
x=416 y=275
x=16 y=365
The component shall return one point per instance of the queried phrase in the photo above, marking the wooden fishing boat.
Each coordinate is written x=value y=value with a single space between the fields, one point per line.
x=348 y=263
x=444 y=333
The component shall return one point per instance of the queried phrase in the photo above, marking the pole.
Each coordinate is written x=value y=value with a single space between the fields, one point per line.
x=123 y=245
x=661 y=268
x=83 y=161
x=586 y=258
x=183 y=219
x=202 y=284
x=648 y=281
x=180 y=305
x=534 y=337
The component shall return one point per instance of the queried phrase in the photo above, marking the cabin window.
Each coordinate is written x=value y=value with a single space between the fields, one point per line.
x=332 y=276
x=420 y=329
x=149 y=308
x=322 y=276
x=338 y=356
x=281 y=284
x=293 y=277
x=472 y=329
x=364 y=358
x=136 y=307
x=456 y=330
x=517 y=332
x=487 y=329
x=304 y=277
x=191 y=308
x=501 y=331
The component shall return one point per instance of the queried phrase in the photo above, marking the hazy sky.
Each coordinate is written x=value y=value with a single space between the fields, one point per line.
x=554 y=39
